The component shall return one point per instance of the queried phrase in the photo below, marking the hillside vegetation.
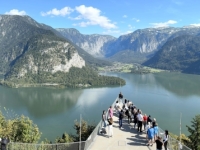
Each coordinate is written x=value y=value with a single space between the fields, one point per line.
x=179 y=54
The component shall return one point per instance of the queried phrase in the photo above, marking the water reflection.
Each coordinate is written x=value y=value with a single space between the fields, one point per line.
x=54 y=110
x=180 y=84
x=40 y=102
x=183 y=85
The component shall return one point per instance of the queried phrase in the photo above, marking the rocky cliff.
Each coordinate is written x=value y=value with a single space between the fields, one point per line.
x=94 y=44
x=33 y=53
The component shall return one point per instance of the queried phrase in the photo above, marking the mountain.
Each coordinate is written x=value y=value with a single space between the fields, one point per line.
x=181 y=53
x=129 y=56
x=93 y=44
x=33 y=53
x=139 y=44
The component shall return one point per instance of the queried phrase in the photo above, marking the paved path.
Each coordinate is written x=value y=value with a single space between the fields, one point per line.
x=127 y=138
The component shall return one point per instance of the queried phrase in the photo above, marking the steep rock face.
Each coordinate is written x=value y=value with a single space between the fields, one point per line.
x=15 y=31
x=93 y=44
x=30 y=47
x=147 y=40
x=57 y=56
x=180 y=53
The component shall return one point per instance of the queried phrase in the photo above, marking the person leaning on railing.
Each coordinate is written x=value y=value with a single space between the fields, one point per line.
x=165 y=139
x=104 y=119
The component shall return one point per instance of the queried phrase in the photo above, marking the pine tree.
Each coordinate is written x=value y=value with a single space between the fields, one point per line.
x=194 y=131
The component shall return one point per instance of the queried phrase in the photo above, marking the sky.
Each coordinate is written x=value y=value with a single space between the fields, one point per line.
x=111 y=17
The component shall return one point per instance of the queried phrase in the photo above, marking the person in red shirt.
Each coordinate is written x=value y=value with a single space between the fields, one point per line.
x=145 y=121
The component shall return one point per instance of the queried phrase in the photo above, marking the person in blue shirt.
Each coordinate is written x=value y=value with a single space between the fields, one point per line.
x=150 y=133
x=155 y=131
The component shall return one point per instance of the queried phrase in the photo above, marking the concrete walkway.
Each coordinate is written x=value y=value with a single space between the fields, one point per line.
x=127 y=138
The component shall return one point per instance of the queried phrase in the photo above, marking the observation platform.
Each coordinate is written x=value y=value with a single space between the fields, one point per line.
x=127 y=138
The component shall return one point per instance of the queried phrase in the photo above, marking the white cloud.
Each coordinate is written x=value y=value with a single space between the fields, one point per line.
x=163 y=24
x=130 y=27
x=195 y=24
x=125 y=16
x=92 y=16
x=16 y=12
x=55 y=12
x=136 y=20
x=76 y=18
x=111 y=32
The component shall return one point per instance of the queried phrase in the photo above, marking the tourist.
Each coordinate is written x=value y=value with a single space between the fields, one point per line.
x=4 y=142
x=117 y=107
x=121 y=115
x=140 y=120
x=129 y=104
x=148 y=126
x=165 y=139
x=104 y=119
x=135 y=118
x=110 y=112
x=128 y=114
x=110 y=127
x=145 y=121
x=120 y=97
x=150 y=133
x=149 y=119
x=154 y=122
x=125 y=101
x=159 y=143
x=155 y=131
x=126 y=105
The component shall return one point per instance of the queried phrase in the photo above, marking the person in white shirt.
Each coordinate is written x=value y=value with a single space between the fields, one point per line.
x=165 y=139
x=117 y=107
x=140 y=119
x=146 y=129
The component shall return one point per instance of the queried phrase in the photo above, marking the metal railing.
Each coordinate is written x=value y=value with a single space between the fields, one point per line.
x=173 y=144
x=95 y=132
x=57 y=146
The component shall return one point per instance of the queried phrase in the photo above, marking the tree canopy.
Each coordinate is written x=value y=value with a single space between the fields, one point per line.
x=194 y=131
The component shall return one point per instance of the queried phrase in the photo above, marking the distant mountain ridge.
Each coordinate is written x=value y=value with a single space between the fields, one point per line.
x=142 y=42
x=180 y=54
x=93 y=44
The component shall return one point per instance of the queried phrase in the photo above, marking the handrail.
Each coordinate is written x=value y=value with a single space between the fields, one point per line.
x=95 y=132
x=53 y=146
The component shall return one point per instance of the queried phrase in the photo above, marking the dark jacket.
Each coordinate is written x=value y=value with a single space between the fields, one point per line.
x=149 y=119
x=120 y=96
x=4 y=143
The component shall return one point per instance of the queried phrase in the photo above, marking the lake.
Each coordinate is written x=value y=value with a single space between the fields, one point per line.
x=163 y=95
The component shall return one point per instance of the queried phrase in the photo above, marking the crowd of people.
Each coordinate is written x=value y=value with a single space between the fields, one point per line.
x=126 y=109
